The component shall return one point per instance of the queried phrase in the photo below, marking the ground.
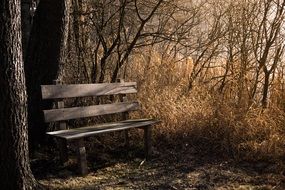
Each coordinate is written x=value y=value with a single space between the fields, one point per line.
x=182 y=167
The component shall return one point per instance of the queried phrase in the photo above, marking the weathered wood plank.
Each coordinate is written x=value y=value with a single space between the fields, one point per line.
x=88 y=111
x=78 y=133
x=85 y=90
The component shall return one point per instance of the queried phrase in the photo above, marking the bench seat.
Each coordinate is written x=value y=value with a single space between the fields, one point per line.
x=77 y=133
x=115 y=102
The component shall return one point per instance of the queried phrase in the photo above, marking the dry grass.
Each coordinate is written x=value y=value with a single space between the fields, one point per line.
x=193 y=123
x=206 y=118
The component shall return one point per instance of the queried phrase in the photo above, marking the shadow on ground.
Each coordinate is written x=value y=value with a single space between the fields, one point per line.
x=170 y=168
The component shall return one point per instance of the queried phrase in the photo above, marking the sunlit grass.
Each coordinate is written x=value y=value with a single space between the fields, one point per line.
x=205 y=117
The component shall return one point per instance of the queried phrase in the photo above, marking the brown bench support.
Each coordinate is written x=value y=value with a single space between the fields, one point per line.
x=62 y=144
x=63 y=151
x=81 y=157
x=127 y=139
x=147 y=141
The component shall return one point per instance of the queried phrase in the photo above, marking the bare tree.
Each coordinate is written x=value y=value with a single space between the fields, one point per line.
x=268 y=46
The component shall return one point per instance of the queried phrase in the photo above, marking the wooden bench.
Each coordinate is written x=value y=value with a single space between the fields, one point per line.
x=61 y=114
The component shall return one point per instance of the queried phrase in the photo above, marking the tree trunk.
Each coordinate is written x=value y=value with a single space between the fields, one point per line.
x=265 y=90
x=45 y=59
x=14 y=159
x=26 y=18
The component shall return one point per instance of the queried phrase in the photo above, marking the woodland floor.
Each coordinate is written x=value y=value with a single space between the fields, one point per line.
x=174 y=168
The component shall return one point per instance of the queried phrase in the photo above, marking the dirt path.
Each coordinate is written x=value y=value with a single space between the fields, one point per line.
x=168 y=170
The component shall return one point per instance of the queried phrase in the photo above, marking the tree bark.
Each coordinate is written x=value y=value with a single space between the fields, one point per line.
x=265 y=90
x=14 y=159
x=26 y=19
x=45 y=59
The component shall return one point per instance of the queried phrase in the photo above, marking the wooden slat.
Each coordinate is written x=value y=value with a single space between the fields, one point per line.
x=85 y=90
x=88 y=111
x=82 y=132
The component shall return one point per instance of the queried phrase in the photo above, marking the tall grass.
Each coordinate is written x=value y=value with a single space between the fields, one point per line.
x=204 y=117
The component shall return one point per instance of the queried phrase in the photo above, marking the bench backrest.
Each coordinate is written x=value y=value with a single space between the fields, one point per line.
x=59 y=92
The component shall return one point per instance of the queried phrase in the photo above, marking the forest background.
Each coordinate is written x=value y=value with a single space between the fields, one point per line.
x=212 y=71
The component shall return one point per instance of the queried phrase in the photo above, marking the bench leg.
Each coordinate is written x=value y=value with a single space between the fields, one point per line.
x=81 y=157
x=127 y=140
x=147 y=141
x=63 y=151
